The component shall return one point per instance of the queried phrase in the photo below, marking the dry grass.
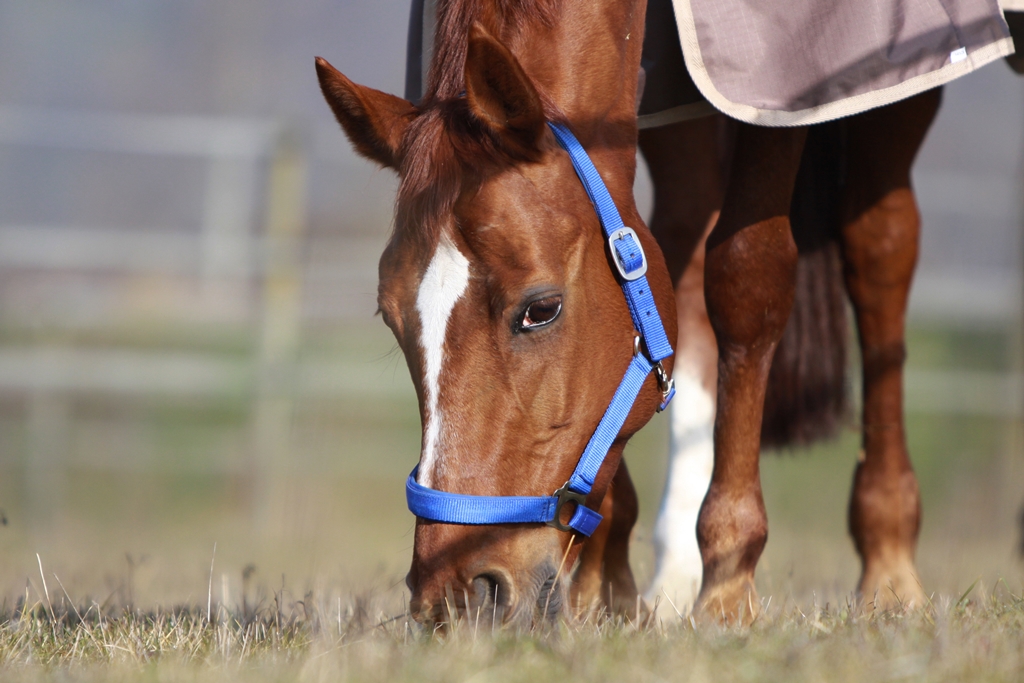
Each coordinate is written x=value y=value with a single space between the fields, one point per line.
x=149 y=492
x=973 y=637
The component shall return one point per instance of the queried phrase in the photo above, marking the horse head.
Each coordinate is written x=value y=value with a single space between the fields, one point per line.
x=498 y=286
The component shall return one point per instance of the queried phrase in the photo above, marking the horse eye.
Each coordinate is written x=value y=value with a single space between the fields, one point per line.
x=541 y=312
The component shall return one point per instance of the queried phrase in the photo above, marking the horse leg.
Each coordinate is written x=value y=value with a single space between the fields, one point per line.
x=750 y=278
x=603 y=575
x=880 y=242
x=684 y=165
x=618 y=589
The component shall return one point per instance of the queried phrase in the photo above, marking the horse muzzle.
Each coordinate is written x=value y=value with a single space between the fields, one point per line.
x=513 y=583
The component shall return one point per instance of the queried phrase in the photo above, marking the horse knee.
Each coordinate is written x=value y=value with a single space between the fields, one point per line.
x=880 y=246
x=750 y=282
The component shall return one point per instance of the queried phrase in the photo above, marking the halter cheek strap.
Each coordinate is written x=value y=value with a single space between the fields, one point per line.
x=630 y=263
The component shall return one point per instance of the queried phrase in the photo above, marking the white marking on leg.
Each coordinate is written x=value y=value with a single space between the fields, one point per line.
x=442 y=286
x=678 y=565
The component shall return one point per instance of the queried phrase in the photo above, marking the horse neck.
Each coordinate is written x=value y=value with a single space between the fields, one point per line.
x=584 y=55
x=587 y=63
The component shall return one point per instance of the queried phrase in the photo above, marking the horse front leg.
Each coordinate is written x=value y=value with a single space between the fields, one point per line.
x=750 y=278
x=684 y=163
x=603 y=576
x=880 y=244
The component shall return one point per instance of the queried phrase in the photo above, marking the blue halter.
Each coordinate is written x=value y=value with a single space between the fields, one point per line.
x=631 y=264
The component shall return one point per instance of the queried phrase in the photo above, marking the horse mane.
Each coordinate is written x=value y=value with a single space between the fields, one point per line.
x=445 y=140
x=503 y=18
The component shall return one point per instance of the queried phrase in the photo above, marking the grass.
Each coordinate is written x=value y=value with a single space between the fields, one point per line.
x=972 y=637
x=148 y=487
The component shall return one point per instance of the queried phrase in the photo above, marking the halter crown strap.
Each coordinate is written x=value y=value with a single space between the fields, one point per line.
x=627 y=254
x=630 y=262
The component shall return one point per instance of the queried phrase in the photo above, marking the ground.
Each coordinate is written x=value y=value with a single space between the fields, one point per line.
x=971 y=638
x=179 y=571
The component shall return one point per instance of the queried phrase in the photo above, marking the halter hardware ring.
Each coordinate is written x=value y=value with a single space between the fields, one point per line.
x=641 y=270
x=666 y=385
x=565 y=495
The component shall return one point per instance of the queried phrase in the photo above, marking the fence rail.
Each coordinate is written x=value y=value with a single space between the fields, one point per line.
x=339 y=275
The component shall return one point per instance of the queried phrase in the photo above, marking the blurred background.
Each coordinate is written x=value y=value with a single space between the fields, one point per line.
x=190 y=369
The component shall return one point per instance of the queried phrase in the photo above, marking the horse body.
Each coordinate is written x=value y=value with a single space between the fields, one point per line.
x=497 y=285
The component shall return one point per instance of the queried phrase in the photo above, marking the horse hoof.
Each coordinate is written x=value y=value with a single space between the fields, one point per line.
x=733 y=602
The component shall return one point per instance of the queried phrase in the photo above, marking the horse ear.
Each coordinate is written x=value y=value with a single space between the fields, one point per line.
x=500 y=94
x=373 y=120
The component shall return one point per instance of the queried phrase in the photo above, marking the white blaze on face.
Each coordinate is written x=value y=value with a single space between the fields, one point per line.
x=442 y=286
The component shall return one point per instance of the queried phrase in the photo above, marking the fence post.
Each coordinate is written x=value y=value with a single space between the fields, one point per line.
x=226 y=243
x=279 y=333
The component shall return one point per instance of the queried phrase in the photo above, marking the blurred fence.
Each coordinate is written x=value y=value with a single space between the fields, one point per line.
x=228 y=271
x=247 y=264
x=231 y=149
x=250 y=266
x=233 y=270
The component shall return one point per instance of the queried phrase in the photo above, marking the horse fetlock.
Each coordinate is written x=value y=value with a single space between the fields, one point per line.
x=885 y=512
x=731 y=532
x=609 y=586
x=885 y=517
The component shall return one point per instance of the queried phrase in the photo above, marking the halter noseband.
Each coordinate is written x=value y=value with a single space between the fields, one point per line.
x=631 y=264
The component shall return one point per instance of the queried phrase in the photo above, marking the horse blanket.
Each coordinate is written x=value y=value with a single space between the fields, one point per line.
x=789 y=63
x=800 y=62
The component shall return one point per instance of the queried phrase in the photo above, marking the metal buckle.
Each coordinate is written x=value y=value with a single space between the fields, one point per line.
x=564 y=496
x=634 y=274
x=665 y=384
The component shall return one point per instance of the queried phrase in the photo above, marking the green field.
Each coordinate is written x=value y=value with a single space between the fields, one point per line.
x=308 y=556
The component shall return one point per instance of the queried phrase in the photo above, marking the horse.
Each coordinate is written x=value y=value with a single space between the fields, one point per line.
x=856 y=228
x=497 y=286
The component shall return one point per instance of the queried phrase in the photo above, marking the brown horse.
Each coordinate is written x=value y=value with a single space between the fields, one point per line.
x=749 y=271
x=497 y=286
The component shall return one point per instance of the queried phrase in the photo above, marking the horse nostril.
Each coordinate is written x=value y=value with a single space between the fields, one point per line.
x=492 y=592
x=486 y=589
x=550 y=598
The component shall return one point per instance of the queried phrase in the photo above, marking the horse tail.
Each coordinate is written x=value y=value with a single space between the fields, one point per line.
x=808 y=396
